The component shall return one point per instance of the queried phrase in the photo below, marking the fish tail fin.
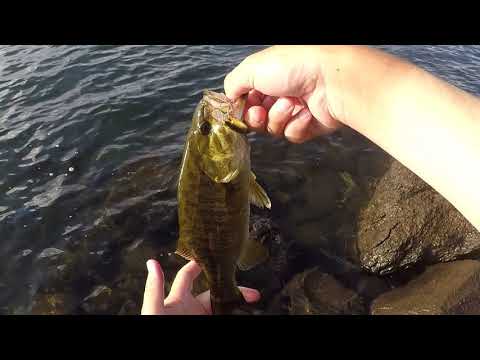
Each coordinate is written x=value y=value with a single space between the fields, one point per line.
x=235 y=305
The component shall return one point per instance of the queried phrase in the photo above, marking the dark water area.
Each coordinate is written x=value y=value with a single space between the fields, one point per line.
x=90 y=145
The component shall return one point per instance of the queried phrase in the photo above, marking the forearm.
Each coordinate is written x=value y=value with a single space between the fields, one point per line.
x=430 y=126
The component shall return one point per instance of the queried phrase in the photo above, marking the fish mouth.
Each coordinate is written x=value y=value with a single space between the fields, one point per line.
x=236 y=125
x=232 y=111
x=216 y=99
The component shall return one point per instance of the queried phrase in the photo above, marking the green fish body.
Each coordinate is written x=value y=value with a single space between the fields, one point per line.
x=215 y=189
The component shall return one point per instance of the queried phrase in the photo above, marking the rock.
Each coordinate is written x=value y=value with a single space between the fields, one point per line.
x=319 y=195
x=51 y=304
x=309 y=235
x=366 y=285
x=316 y=293
x=270 y=276
x=140 y=203
x=443 y=289
x=407 y=222
x=97 y=291
x=50 y=252
x=351 y=275
x=136 y=255
x=98 y=301
x=129 y=308
x=282 y=197
x=61 y=267
x=26 y=252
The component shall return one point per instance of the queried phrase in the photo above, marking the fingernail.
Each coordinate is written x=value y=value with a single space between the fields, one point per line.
x=150 y=266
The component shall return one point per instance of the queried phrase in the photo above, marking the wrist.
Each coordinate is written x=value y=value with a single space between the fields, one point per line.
x=358 y=81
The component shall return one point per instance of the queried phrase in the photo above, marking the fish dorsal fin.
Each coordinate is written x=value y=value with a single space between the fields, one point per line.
x=258 y=196
x=253 y=254
x=183 y=251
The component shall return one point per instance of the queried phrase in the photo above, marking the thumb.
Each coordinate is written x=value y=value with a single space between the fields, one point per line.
x=154 y=290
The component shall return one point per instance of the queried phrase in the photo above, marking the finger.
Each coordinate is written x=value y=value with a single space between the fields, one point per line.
x=303 y=127
x=254 y=98
x=237 y=83
x=154 y=290
x=268 y=101
x=204 y=300
x=269 y=74
x=256 y=118
x=250 y=296
x=299 y=105
x=184 y=280
x=279 y=115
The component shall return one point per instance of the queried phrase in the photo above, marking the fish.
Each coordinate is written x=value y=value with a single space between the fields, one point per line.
x=215 y=189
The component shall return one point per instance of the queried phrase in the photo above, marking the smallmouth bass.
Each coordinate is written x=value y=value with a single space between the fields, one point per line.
x=215 y=189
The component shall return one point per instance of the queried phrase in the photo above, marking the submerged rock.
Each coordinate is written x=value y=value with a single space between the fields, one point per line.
x=449 y=288
x=129 y=308
x=270 y=276
x=408 y=222
x=51 y=304
x=49 y=252
x=316 y=293
x=98 y=301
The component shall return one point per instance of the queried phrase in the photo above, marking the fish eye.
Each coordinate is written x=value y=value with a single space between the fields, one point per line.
x=205 y=128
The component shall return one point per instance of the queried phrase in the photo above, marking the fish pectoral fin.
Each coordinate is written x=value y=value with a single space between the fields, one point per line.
x=258 y=196
x=228 y=178
x=253 y=254
x=218 y=174
x=183 y=251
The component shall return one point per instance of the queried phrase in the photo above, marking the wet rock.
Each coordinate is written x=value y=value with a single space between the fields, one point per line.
x=26 y=252
x=270 y=276
x=51 y=304
x=350 y=274
x=282 y=197
x=316 y=293
x=318 y=195
x=98 y=301
x=49 y=253
x=129 y=308
x=140 y=203
x=309 y=235
x=367 y=286
x=407 y=222
x=136 y=255
x=449 y=288
x=61 y=267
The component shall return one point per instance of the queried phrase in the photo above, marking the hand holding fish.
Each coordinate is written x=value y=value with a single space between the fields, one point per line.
x=431 y=126
x=180 y=300
x=286 y=92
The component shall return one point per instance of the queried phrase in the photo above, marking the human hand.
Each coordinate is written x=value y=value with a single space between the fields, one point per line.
x=180 y=300
x=286 y=92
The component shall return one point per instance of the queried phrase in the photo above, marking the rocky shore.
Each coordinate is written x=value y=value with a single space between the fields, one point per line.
x=344 y=237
